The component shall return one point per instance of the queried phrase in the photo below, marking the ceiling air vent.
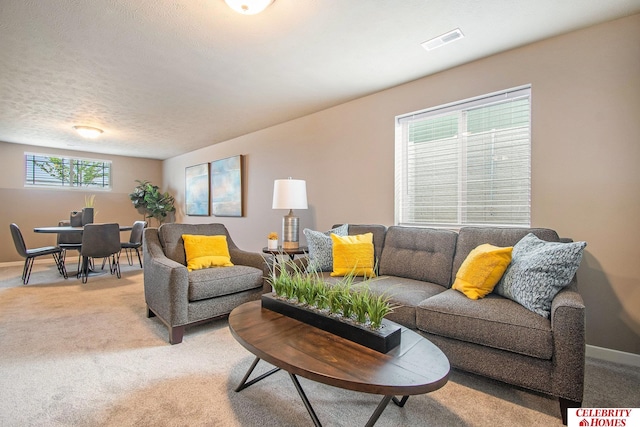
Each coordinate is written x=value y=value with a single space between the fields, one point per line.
x=449 y=37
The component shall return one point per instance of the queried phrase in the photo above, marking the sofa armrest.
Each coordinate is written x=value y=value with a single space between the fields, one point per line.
x=166 y=282
x=568 y=327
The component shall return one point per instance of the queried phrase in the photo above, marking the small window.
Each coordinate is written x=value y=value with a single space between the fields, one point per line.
x=466 y=163
x=42 y=170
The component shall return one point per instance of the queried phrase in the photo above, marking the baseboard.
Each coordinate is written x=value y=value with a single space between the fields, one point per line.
x=614 y=356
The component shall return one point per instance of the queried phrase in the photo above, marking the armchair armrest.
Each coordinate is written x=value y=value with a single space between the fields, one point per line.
x=166 y=282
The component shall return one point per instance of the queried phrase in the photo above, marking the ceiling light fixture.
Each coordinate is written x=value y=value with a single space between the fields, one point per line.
x=88 y=131
x=446 y=38
x=248 y=7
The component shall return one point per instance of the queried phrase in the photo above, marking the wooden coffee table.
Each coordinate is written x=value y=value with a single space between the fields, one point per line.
x=416 y=366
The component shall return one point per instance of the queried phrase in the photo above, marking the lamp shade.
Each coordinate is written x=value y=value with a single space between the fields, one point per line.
x=289 y=194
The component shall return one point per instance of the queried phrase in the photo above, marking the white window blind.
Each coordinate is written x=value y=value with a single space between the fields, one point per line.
x=466 y=163
x=42 y=170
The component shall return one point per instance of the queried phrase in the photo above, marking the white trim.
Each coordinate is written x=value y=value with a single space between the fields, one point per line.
x=611 y=355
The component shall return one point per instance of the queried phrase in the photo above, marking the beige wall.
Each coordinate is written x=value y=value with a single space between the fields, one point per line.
x=31 y=207
x=585 y=156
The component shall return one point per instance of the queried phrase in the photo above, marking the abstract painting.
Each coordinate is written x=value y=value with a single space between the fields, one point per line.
x=197 y=190
x=226 y=187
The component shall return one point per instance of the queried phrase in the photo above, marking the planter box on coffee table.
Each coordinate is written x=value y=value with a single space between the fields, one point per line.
x=382 y=340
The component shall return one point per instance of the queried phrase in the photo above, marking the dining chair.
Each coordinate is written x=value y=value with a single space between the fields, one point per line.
x=69 y=242
x=31 y=254
x=135 y=242
x=100 y=241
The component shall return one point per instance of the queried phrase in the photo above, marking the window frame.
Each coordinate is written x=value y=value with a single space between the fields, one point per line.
x=405 y=206
x=31 y=158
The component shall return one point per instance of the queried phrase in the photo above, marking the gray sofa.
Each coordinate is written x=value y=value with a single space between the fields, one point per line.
x=181 y=298
x=492 y=336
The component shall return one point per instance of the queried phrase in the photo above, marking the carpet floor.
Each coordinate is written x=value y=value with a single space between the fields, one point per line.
x=74 y=354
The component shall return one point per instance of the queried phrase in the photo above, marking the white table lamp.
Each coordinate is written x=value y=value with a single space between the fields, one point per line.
x=290 y=194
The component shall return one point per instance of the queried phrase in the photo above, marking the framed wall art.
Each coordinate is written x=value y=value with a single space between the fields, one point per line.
x=196 y=190
x=226 y=187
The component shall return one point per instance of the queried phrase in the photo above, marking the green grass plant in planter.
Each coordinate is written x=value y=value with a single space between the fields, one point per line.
x=361 y=306
x=379 y=307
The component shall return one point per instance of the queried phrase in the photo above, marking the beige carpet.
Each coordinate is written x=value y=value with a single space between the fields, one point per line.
x=86 y=355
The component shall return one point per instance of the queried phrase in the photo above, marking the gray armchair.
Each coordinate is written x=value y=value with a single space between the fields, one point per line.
x=180 y=298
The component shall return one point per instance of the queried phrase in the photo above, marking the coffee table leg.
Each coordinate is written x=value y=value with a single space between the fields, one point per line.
x=244 y=384
x=306 y=402
x=400 y=403
x=376 y=414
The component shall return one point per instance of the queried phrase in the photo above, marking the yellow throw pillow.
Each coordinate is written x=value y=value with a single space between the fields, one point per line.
x=482 y=270
x=206 y=251
x=353 y=255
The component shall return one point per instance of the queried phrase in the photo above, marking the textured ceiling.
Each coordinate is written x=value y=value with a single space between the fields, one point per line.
x=165 y=77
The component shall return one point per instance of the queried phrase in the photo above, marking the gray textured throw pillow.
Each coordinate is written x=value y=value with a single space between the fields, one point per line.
x=321 y=248
x=538 y=271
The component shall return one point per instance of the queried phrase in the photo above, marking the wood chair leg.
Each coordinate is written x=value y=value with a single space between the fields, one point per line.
x=150 y=313
x=565 y=404
x=176 y=333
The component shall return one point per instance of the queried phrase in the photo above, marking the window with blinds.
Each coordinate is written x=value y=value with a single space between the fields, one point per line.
x=466 y=163
x=43 y=170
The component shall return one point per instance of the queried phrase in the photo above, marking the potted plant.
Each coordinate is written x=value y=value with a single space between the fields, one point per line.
x=357 y=315
x=151 y=202
x=272 y=241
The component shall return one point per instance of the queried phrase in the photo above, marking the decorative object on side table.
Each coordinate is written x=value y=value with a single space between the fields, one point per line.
x=272 y=241
x=290 y=194
x=357 y=315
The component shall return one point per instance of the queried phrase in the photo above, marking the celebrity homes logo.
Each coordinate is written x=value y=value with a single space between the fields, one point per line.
x=603 y=417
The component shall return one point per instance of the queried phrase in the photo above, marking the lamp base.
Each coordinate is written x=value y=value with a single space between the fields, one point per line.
x=290 y=245
x=290 y=228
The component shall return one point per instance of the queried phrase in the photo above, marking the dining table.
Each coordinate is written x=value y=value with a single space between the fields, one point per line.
x=68 y=229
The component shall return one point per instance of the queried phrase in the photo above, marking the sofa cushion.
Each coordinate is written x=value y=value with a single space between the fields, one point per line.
x=538 y=271
x=471 y=237
x=170 y=236
x=353 y=255
x=215 y=282
x=482 y=270
x=379 y=231
x=405 y=295
x=418 y=253
x=206 y=251
x=493 y=321
x=321 y=248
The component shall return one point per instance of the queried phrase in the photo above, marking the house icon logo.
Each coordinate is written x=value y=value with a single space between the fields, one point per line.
x=584 y=422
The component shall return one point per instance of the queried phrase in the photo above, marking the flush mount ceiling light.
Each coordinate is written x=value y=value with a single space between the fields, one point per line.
x=88 y=131
x=446 y=38
x=248 y=7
